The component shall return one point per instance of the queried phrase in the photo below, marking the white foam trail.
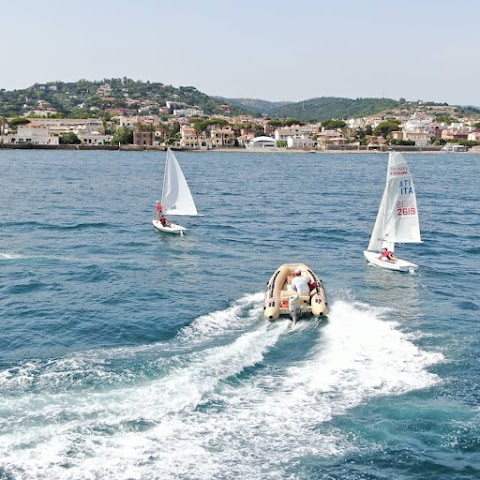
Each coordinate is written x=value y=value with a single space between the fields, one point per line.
x=222 y=409
x=222 y=326
x=11 y=256
x=19 y=256
x=217 y=323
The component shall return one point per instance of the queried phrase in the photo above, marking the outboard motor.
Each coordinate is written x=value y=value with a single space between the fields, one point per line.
x=294 y=308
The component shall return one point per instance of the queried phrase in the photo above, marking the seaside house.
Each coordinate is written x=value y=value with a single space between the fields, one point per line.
x=245 y=139
x=31 y=133
x=294 y=131
x=222 y=137
x=474 y=136
x=330 y=137
x=454 y=134
x=397 y=134
x=47 y=131
x=190 y=138
x=128 y=122
x=421 y=137
x=262 y=142
x=419 y=129
x=143 y=137
x=301 y=142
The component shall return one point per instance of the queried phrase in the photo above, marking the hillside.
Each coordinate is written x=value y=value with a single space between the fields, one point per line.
x=254 y=105
x=326 y=108
x=94 y=98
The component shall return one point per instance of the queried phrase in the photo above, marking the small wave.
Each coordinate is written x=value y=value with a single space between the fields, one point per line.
x=25 y=288
x=51 y=226
x=78 y=226
x=20 y=224
x=19 y=256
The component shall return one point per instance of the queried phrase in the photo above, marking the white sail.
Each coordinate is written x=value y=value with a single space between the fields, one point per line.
x=176 y=196
x=397 y=218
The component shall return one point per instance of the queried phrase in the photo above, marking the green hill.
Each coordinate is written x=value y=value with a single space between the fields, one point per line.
x=324 y=108
x=91 y=98
x=94 y=98
x=254 y=105
x=327 y=108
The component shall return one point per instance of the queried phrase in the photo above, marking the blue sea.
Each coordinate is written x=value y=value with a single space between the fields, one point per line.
x=129 y=354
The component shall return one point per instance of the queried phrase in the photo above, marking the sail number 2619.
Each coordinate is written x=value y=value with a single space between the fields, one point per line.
x=406 y=207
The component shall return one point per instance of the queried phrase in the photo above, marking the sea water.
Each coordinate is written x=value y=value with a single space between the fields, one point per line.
x=130 y=354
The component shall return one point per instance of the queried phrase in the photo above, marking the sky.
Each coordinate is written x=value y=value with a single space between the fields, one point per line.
x=276 y=50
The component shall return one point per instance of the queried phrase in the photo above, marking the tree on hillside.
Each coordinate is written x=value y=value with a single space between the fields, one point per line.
x=447 y=119
x=333 y=124
x=123 y=135
x=218 y=122
x=14 y=122
x=69 y=138
x=292 y=121
x=275 y=123
x=200 y=126
x=386 y=128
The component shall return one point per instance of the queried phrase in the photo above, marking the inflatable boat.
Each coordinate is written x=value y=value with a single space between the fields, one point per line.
x=282 y=296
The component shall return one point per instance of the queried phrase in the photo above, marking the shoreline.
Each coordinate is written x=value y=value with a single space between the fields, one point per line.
x=158 y=148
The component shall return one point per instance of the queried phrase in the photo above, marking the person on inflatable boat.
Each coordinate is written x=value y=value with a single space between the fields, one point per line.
x=300 y=283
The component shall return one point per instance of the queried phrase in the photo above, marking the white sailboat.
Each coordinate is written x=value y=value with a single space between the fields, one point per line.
x=176 y=196
x=397 y=218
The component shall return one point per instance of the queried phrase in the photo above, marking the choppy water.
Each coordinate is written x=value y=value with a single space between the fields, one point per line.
x=125 y=354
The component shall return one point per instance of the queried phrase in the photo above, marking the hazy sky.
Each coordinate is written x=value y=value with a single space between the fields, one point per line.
x=266 y=49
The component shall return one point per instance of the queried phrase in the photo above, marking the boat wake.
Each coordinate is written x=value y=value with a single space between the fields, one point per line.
x=231 y=395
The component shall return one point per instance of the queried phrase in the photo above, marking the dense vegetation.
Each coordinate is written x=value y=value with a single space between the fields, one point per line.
x=85 y=98
x=88 y=99
x=326 y=108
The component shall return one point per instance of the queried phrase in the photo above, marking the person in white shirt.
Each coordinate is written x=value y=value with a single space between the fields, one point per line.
x=300 y=283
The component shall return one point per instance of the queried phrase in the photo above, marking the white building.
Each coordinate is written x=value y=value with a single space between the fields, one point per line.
x=48 y=131
x=294 y=131
x=263 y=142
x=302 y=142
x=33 y=134
x=189 y=112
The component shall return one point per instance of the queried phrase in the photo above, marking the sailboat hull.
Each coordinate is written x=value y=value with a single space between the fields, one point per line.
x=172 y=228
x=398 y=264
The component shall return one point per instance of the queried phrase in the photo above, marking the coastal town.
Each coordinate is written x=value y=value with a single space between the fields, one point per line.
x=179 y=125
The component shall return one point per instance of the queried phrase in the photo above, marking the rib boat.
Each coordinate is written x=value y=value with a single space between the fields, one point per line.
x=282 y=299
